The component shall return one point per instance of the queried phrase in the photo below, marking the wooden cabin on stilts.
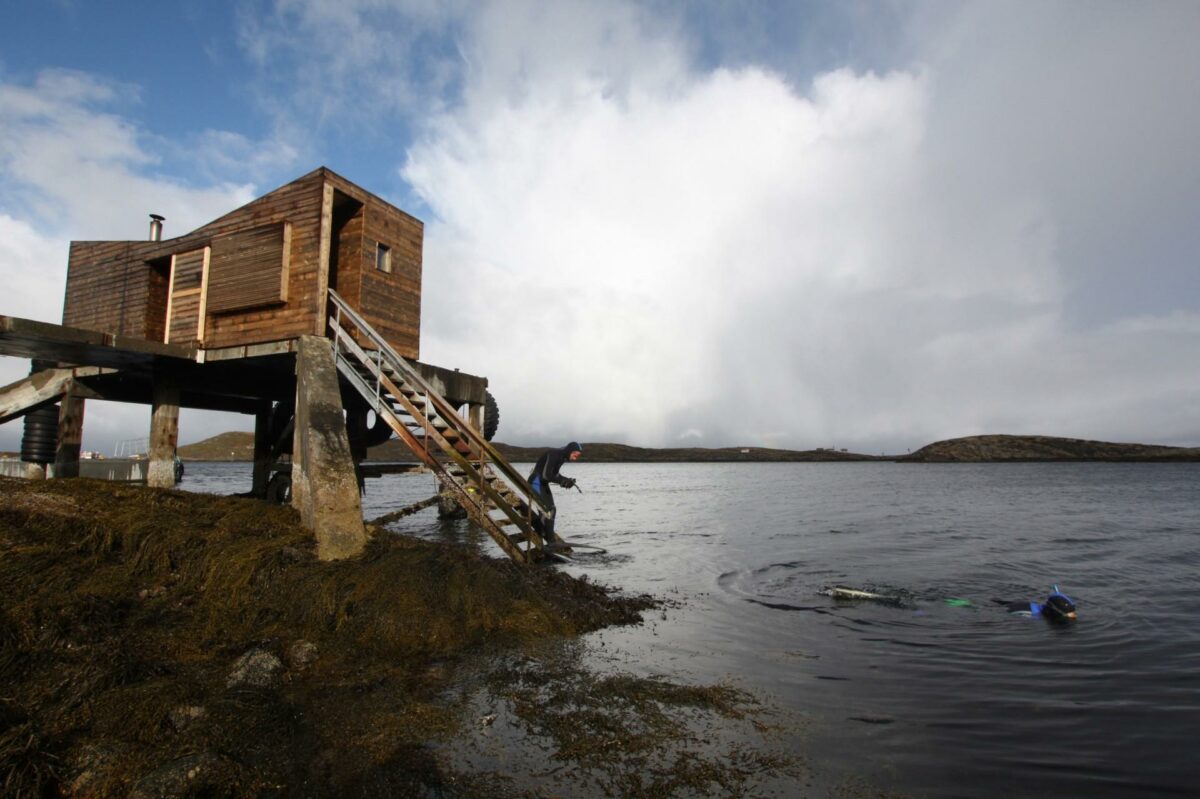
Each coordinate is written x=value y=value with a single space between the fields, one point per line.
x=301 y=308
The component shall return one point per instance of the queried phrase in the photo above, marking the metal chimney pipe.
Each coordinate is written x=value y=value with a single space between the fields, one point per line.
x=156 y=227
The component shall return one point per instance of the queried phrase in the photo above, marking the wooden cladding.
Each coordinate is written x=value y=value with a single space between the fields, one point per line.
x=269 y=263
x=185 y=296
x=249 y=268
x=110 y=289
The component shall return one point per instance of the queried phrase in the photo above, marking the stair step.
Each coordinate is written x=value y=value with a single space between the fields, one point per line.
x=488 y=497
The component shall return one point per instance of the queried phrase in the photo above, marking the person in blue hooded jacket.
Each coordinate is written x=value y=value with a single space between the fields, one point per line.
x=1057 y=607
x=545 y=472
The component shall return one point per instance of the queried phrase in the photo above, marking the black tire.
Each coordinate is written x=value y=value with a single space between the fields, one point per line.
x=491 y=415
x=379 y=432
x=39 y=442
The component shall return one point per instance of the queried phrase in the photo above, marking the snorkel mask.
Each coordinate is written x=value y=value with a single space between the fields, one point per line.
x=1059 y=605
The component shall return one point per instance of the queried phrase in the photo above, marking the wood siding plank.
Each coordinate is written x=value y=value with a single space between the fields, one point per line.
x=249 y=268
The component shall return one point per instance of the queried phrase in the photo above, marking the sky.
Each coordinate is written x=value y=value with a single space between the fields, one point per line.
x=868 y=225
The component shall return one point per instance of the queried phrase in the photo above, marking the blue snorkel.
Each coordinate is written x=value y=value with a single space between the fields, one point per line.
x=1055 y=592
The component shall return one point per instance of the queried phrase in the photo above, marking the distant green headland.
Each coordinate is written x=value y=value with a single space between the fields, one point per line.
x=971 y=449
x=1004 y=448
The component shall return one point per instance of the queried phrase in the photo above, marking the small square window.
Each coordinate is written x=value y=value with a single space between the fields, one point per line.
x=383 y=258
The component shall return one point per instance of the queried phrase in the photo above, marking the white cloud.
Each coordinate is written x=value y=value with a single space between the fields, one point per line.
x=73 y=169
x=1088 y=115
x=32 y=274
x=631 y=249
x=995 y=234
x=325 y=65
x=33 y=270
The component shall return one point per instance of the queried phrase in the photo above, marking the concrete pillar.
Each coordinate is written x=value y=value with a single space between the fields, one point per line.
x=324 y=486
x=448 y=507
x=164 y=431
x=32 y=471
x=475 y=416
x=70 y=434
x=262 y=452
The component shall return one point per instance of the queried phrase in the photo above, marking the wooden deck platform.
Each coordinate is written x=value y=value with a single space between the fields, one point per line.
x=238 y=379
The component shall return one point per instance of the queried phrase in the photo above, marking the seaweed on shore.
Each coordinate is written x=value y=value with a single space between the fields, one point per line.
x=158 y=643
x=126 y=611
x=586 y=730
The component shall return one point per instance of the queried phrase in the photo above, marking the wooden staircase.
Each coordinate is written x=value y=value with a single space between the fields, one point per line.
x=495 y=496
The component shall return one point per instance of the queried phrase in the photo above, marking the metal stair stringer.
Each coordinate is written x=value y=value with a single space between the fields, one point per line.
x=421 y=418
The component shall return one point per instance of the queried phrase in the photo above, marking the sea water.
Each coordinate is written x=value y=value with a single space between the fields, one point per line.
x=921 y=695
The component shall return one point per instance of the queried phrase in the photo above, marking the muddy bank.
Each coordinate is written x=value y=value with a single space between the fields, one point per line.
x=159 y=643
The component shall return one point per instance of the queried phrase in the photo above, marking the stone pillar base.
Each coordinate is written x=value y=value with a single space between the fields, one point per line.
x=324 y=483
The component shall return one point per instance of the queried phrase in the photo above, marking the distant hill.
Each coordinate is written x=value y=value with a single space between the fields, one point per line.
x=994 y=448
x=222 y=447
x=240 y=447
x=972 y=449
x=622 y=453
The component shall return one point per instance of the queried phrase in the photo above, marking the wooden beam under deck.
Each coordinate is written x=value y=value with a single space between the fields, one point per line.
x=27 y=338
x=236 y=379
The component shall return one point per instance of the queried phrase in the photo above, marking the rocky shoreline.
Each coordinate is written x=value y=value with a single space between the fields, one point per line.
x=159 y=643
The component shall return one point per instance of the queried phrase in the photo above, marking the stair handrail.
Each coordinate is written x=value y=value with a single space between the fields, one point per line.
x=444 y=409
x=476 y=510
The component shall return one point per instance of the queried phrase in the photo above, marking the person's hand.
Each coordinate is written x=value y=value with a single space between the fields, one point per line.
x=568 y=482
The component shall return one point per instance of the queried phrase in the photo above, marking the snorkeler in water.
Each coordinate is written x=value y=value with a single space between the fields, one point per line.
x=1057 y=607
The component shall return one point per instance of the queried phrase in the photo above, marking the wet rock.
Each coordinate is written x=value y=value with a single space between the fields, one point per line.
x=301 y=655
x=181 y=717
x=92 y=765
x=255 y=669
x=203 y=774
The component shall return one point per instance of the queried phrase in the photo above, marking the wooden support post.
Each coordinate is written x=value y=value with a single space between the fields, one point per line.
x=475 y=416
x=262 y=452
x=448 y=505
x=70 y=434
x=40 y=387
x=164 y=431
x=324 y=486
